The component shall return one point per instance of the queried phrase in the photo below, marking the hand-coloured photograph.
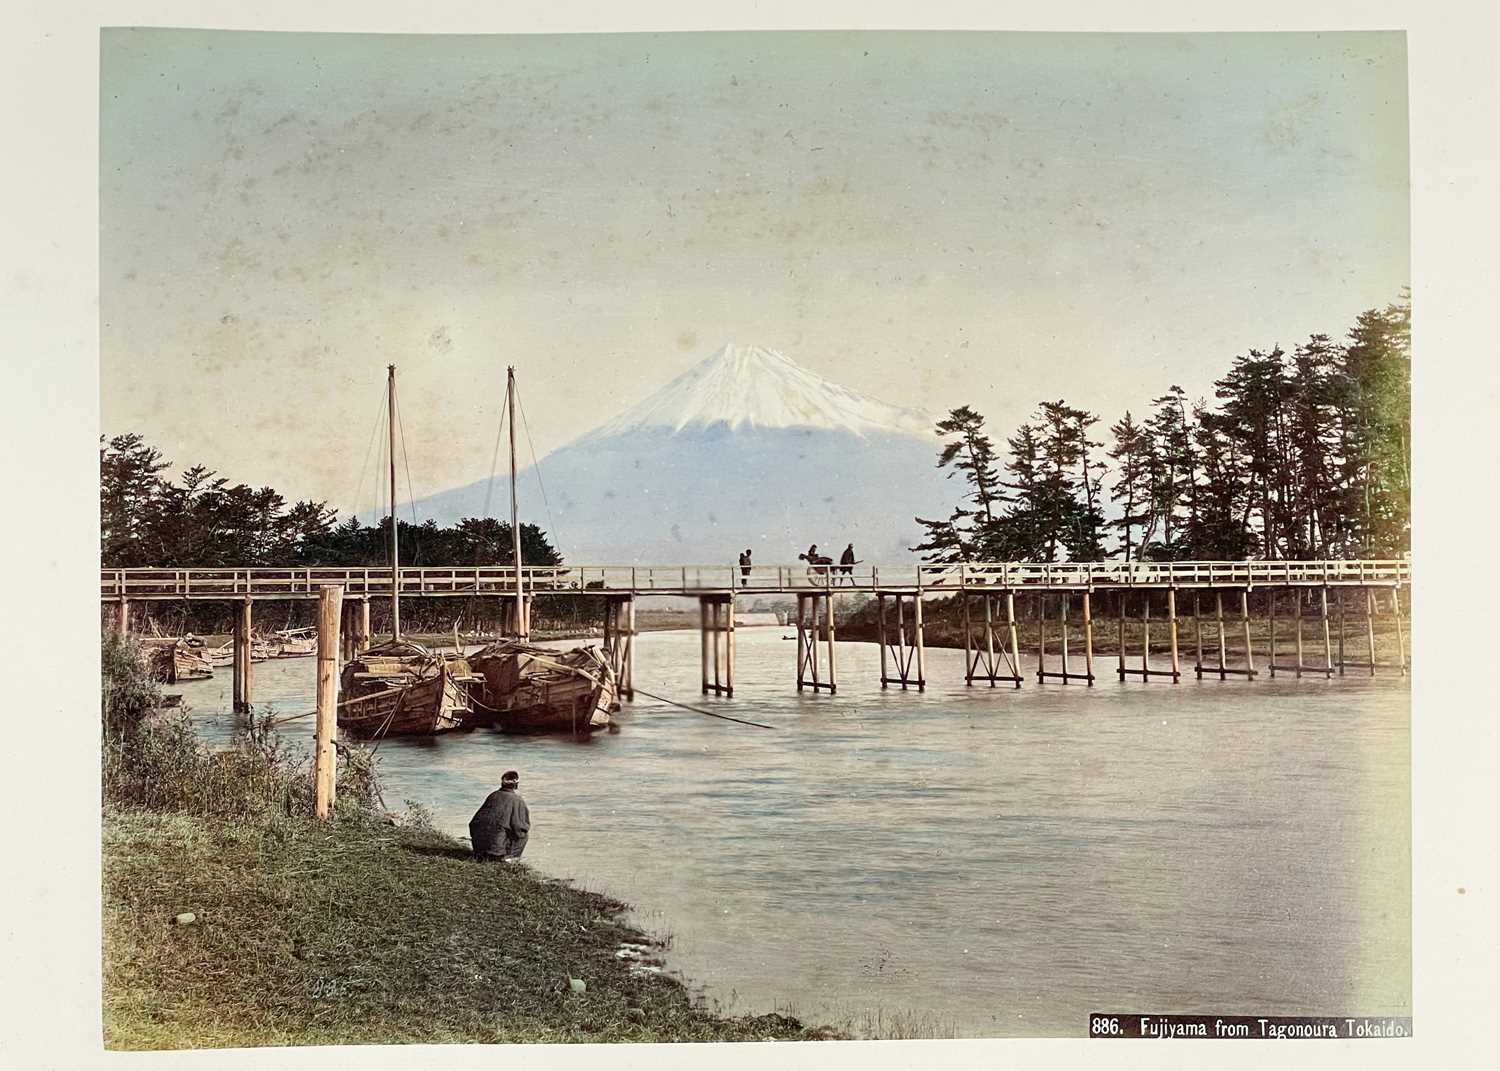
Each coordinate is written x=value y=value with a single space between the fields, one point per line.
x=744 y=536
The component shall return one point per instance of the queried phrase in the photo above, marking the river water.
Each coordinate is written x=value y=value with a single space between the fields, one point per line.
x=967 y=862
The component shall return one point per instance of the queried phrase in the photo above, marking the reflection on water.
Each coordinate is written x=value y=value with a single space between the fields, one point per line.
x=1000 y=862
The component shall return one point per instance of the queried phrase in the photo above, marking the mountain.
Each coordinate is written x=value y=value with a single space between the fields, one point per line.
x=745 y=449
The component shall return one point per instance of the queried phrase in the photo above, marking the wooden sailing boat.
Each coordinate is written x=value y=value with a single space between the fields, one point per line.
x=399 y=688
x=530 y=689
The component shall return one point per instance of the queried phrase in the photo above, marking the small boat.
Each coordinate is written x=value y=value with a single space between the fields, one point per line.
x=260 y=651
x=400 y=688
x=530 y=689
x=295 y=642
x=176 y=658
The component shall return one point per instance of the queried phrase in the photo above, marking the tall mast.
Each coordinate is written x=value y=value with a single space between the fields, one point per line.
x=522 y=631
x=395 y=542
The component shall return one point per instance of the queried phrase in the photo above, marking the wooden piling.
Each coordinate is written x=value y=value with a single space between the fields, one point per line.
x=1015 y=643
x=1297 y=617
x=703 y=636
x=1271 y=619
x=1400 y=630
x=1062 y=620
x=833 y=675
x=1041 y=638
x=1327 y=643
x=1245 y=619
x=325 y=771
x=1198 y=637
x=122 y=619
x=963 y=599
x=1370 y=625
x=916 y=603
x=1223 y=640
x=1172 y=633
x=1121 y=670
x=880 y=637
x=1088 y=638
x=244 y=670
x=989 y=638
x=362 y=626
x=1341 y=632
x=1146 y=637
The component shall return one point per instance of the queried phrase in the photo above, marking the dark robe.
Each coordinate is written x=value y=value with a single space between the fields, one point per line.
x=500 y=827
x=847 y=558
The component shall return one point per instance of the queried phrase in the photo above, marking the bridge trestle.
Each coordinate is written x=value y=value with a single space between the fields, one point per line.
x=815 y=622
x=903 y=647
x=1043 y=674
x=1145 y=672
x=716 y=615
x=982 y=654
x=619 y=641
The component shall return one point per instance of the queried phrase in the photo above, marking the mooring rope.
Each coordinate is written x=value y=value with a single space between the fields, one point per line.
x=700 y=710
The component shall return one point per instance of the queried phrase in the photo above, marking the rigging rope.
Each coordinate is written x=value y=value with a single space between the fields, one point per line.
x=364 y=465
x=537 y=468
x=489 y=490
x=700 y=710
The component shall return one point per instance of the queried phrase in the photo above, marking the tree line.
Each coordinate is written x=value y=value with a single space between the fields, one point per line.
x=200 y=519
x=1301 y=455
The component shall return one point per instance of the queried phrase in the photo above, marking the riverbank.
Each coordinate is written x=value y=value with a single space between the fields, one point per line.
x=232 y=918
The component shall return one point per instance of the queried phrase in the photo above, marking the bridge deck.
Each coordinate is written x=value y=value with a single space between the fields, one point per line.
x=697 y=580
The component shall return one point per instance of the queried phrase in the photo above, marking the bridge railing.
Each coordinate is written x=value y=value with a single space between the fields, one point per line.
x=231 y=583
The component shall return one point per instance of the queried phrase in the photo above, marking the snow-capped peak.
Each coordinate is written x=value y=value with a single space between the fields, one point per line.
x=753 y=387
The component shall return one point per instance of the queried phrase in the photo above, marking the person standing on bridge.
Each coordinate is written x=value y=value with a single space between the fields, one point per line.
x=846 y=563
x=745 y=567
x=499 y=829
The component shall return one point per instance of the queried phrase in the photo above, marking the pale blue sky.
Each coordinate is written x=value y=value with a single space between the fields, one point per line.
x=935 y=219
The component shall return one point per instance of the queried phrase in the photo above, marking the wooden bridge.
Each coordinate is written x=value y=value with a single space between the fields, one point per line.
x=987 y=593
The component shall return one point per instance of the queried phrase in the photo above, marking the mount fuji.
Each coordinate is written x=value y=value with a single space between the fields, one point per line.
x=745 y=449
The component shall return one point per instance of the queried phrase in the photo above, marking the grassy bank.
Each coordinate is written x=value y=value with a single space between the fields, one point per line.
x=366 y=928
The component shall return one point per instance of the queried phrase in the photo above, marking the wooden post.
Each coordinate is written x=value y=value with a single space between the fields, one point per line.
x=1015 y=643
x=1297 y=618
x=1063 y=621
x=325 y=770
x=703 y=635
x=122 y=619
x=1245 y=619
x=921 y=651
x=989 y=637
x=1370 y=625
x=1400 y=630
x=880 y=635
x=833 y=675
x=1172 y=632
x=1327 y=643
x=801 y=639
x=244 y=672
x=1088 y=637
x=1198 y=636
x=1122 y=608
x=1271 y=618
x=1041 y=637
x=1341 y=632
x=362 y=626
x=963 y=598
x=1223 y=640
x=1145 y=637
x=729 y=646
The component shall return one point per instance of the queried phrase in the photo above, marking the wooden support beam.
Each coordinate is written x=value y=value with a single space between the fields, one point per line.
x=244 y=670
x=1015 y=644
x=1297 y=617
x=1088 y=638
x=717 y=613
x=1327 y=643
x=969 y=662
x=1400 y=629
x=619 y=642
x=1146 y=636
x=809 y=626
x=1245 y=620
x=1341 y=631
x=1198 y=636
x=122 y=618
x=1370 y=625
x=1223 y=640
x=362 y=626
x=1041 y=637
x=1271 y=619
x=885 y=674
x=916 y=603
x=1122 y=608
x=1172 y=632
x=325 y=756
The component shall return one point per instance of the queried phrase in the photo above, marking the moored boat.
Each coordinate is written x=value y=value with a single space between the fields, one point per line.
x=530 y=689
x=399 y=688
x=176 y=658
x=295 y=642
